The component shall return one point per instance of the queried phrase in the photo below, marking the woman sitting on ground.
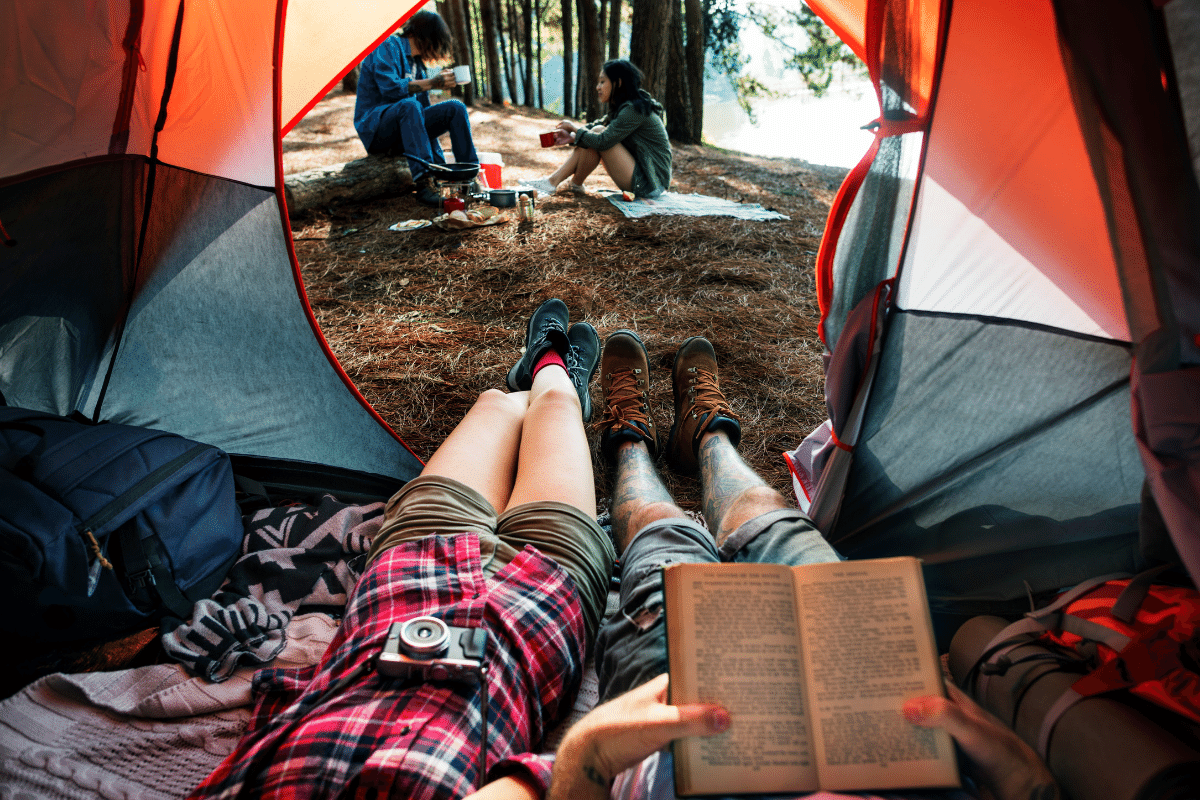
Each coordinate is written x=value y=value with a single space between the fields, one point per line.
x=630 y=140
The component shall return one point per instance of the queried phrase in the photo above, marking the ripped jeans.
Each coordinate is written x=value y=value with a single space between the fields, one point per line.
x=632 y=646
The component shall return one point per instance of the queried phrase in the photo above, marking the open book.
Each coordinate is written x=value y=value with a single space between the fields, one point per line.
x=813 y=663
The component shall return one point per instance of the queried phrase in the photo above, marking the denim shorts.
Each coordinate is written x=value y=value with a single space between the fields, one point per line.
x=632 y=646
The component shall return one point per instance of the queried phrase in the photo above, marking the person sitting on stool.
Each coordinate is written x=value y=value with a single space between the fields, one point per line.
x=393 y=114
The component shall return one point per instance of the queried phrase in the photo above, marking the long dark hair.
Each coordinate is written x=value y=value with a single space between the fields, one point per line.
x=431 y=33
x=626 y=80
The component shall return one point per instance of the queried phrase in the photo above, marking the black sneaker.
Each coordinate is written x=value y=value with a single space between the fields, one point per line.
x=547 y=329
x=428 y=192
x=583 y=358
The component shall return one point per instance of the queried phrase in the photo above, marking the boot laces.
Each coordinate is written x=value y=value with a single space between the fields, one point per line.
x=706 y=397
x=574 y=361
x=625 y=403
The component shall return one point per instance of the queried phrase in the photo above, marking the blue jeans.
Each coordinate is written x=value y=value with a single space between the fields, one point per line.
x=412 y=129
x=632 y=646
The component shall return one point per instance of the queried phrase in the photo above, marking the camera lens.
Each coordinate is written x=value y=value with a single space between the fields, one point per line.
x=424 y=636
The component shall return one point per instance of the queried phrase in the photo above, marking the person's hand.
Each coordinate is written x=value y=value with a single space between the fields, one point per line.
x=446 y=79
x=568 y=126
x=618 y=734
x=1006 y=767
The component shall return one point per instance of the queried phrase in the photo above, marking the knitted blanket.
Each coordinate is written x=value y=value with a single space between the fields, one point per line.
x=149 y=733
x=295 y=559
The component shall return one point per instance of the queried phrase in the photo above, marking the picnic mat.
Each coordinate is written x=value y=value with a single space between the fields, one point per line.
x=691 y=205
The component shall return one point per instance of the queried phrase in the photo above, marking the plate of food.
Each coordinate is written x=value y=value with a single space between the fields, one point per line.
x=475 y=218
x=409 y=225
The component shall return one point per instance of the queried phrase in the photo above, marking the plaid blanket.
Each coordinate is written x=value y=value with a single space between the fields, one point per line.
x=295 y=559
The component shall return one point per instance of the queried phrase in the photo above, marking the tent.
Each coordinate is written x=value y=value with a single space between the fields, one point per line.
x=1009 y=285
x=149 y=276
x=1009 y=280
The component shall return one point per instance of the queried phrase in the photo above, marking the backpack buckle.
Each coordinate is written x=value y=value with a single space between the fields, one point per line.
x=141 y=580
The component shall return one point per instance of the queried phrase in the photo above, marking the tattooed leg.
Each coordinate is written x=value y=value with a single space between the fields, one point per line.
x=639 y=496
x=733 y=492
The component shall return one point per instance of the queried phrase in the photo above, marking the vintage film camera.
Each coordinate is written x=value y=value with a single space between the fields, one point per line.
x=427 y=648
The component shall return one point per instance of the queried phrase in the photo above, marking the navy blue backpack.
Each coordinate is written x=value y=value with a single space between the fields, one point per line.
x=106 y=529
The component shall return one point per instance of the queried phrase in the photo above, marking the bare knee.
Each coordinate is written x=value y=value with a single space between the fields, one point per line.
x=559 y=397
x=651 y=512
x=504 y=404
x=752 y=502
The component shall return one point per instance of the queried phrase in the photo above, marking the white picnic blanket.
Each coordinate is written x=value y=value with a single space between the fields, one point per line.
x=692 y=205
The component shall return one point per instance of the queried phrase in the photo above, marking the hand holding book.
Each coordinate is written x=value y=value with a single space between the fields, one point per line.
x=620 y=733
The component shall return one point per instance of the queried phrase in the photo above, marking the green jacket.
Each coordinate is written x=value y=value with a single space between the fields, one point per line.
x=644 y=136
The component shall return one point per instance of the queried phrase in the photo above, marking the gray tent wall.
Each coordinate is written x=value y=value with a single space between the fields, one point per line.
x=1000 y=449
x=146 y=293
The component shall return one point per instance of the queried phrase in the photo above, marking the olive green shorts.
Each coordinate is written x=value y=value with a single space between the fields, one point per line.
x=434 y=505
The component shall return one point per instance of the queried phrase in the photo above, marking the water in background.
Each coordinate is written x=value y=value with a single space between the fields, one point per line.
x=825 y=130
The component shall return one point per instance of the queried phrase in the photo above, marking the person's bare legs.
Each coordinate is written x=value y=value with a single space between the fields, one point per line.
x=732 y=492
x=585 y=165
x=491 y=429
x=555 y=460
x=619 y=164
x=568 y=167
x=639 y=496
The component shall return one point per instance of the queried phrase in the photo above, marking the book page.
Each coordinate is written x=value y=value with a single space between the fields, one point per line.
x=732 y=640
x=868 y=646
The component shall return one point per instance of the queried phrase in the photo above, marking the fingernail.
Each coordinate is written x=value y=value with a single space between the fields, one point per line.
x=718 y=720
x=916 y=710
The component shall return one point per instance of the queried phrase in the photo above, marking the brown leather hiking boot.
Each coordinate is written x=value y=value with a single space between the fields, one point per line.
x=699 y=405
x=624 y=374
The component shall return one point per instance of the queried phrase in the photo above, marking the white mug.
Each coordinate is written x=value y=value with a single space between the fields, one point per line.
x=462 y=75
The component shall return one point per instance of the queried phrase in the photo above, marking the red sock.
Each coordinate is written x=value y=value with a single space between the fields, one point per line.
x=549 y=357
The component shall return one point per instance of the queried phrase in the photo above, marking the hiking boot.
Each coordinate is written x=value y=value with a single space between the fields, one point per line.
x=583 y=357
x=428 y=192
x=624 y=374
x=699 y=405
x=547 y=329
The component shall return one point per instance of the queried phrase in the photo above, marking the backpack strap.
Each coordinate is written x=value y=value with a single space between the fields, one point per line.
x=1130 y=600
x=146 y=567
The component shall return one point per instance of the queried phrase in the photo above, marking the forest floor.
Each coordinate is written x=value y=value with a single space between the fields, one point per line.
x=425 y=320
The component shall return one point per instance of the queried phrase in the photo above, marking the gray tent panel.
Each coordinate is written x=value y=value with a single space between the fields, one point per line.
x=217 y=345
x=979 y=453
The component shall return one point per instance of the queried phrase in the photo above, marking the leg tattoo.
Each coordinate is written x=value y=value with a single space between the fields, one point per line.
x=725 y=480
x=637 y=486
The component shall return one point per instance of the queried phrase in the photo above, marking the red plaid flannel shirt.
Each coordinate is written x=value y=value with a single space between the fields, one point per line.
x=390 y=738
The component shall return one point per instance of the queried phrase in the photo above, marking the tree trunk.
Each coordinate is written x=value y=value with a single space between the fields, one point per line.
x=363 y=179
x=677 y=93
x=694 y=50
x=592 y=53
x=614 y=29
x=455 y=12
x=650 y=29
x=527 y=23
x=487 y=18
x=505 y=56
x=541 y=91
x=516 y=60
x=603 y=20
x=568 y=61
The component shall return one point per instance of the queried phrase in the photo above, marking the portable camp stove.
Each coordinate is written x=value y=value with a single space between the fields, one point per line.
x=458 y=189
